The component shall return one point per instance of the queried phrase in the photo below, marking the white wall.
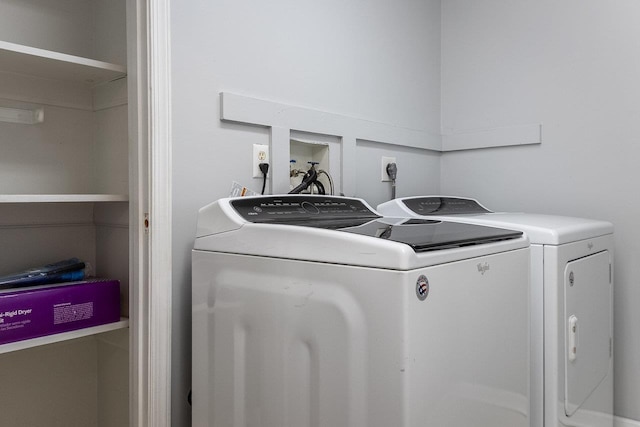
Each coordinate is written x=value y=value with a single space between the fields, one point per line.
x=573 y=66
x=376 y=60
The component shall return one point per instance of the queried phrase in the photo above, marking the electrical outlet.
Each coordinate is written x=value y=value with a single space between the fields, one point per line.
x=383 y=170
x=260 y=155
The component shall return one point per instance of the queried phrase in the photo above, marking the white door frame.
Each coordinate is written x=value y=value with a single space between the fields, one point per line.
x=149 y=66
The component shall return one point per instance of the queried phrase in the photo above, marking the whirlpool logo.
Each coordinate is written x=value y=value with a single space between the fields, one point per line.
x=483 y=268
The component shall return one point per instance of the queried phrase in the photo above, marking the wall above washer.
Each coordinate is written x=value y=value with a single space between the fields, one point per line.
x=281 y=118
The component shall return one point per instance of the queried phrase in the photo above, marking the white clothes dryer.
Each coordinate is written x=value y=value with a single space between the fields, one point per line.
x=572 y=305
x=317 y=311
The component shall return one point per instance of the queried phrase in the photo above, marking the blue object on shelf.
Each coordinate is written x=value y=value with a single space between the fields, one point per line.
x=61 y=271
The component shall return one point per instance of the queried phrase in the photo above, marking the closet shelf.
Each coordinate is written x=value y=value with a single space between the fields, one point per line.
x=15 y=58
x=64 y=336
x=62 y=198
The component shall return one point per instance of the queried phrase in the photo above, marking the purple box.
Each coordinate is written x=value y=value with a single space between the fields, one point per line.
x=46 y=310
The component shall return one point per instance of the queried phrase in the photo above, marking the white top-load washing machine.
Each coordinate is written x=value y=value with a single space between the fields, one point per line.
x=316 y=311
x=571 y=312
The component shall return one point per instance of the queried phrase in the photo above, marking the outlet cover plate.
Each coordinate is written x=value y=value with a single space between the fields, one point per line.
x=384 y=177
x=260 y=155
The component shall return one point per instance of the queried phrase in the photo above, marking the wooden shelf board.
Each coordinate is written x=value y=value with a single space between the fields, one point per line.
x=64 y=336
x=15 y=58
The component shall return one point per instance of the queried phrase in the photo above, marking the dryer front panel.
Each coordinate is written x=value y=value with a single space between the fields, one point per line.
x=587 y=316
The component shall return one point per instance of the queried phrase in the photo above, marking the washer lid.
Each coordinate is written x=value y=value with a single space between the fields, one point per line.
x=430 y=235
x=342 y=230
x=353 y=216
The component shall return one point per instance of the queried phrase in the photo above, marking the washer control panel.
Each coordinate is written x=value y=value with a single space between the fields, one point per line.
x=443 y=206
x=297 y=208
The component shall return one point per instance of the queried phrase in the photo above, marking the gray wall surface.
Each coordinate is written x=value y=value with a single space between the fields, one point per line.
x=572 y=66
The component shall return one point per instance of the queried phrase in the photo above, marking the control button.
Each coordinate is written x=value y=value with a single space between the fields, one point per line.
x=310 y=208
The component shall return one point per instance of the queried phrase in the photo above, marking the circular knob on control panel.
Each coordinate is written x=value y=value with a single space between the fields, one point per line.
x=310 y=208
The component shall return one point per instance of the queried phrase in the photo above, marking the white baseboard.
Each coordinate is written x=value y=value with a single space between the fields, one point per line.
x=625 y=422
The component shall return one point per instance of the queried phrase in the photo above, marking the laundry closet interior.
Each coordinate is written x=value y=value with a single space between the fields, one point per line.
x=527 y=107
x=65 y=192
